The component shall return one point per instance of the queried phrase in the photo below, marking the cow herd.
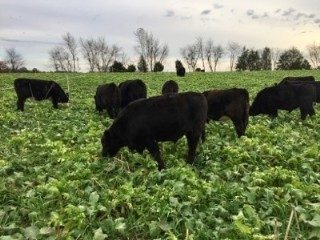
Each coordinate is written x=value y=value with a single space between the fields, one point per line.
x=141 y=122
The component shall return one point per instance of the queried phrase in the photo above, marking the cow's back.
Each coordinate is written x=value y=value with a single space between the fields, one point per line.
x=164 y=118
x=302 y=79
x=132 y=90
x=39 y=89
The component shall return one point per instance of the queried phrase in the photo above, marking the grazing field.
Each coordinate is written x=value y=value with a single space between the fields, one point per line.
x=54 y=184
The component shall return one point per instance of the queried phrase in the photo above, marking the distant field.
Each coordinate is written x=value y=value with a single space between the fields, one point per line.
x=55 y=185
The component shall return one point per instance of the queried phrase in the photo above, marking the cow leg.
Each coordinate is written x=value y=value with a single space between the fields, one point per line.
x=311 y=111
x=239 y=126
x=303 y=113
x=54 y=102
x=20 y=104
x=274 y=114
x=203 y=135
x=192 y=140
x=153 y=148
x=98 y=108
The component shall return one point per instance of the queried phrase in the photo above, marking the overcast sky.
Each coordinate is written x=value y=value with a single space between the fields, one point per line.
x=35 y=26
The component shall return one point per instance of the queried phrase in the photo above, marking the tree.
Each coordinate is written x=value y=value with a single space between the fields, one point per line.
x=131 y=68
x=117 y=67
x=4 y=67
x=142 y=64
x=150 y=48
x=71 y=46
x=98 y=54
x=254 y=60
x=249 y=60
x=190 y=55
x=233 y=49
x=292 y=59
x=275 y=54
x=14 y=59
x=266 y=59
x=314 y=54
x=201 y=49
x=60 y=59
x=242 y=62
x=158 y=67
x=208 y=53
x=35 y=70
x=22 y=70
x=217 y=52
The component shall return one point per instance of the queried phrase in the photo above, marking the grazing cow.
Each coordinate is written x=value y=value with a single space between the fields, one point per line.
x=233 y=103
x=108 y=97
x=170 y=87
x=132 y=90
x=304 y=80
x=145 y=122
x=297 y=79
x=39 y=90
x=181 y=71
x=284 y=97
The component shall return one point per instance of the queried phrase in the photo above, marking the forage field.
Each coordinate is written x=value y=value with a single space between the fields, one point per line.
x=54 y=184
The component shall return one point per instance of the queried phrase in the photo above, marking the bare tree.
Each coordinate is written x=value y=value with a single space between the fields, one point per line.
x=60 y=59
x=88 y=49
x=208 y=53
x=150 y=48
x=314 y=54
x=233 y=49
x=275 y=55
x=99 y=54
x=14 y=59
x=190 y=55
x=217 y=53
x=201 y=50
x=71 y=47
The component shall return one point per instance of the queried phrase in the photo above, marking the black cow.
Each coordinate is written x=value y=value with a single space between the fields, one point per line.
x=145 y=122
x=233 y=103
x=108 y=97
x=181 y=72
x=132 y=90
x=297 y=79
x=284 y=97
x=39 y=90
x=170 y=87
x=304 y=80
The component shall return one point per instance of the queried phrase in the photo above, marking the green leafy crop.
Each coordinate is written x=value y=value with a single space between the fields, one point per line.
x=54 y=184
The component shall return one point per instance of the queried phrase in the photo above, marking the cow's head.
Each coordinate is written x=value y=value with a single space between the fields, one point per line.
x=111 y=144
x=60 y=94
x=259 y=104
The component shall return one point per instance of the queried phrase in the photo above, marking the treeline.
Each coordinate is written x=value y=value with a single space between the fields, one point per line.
x=201 y=55
x=205 y=56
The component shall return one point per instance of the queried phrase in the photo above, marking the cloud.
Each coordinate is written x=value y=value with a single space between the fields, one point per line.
x=250 y=12
x=206 y=12
x=253 y=15
x=317 y=20
x=278 y=10
x=185 y=17
x=217 y=6
x=28 y=41
x=169 y=13
x=288 y=12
